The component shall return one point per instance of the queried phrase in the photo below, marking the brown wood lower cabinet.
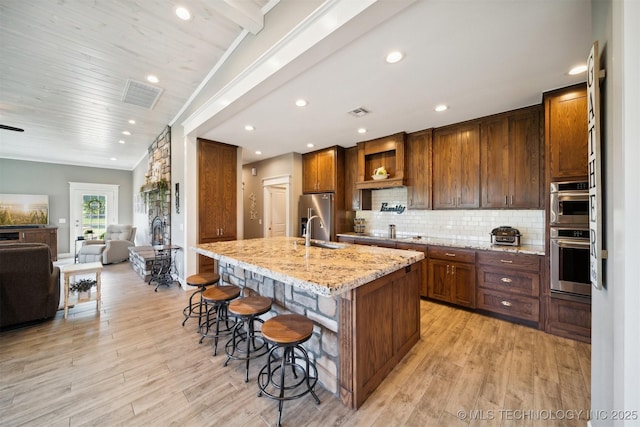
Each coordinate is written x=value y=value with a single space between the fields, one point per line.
x=379 y=323
x=451 y=276
x=509 y=284
x=569 y=319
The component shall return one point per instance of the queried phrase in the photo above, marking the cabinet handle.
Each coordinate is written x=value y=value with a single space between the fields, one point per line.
x=506 y=200
x=506 y=280
x=453 y=269
x=505 y=303
x=450 y=254
x=448 y=267
x=506 y=261
x=511 y=200
x=459 y=201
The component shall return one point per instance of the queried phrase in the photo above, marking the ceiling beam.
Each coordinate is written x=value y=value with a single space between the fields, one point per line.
x=247 y=15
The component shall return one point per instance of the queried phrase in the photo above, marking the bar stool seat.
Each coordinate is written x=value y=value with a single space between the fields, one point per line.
x=195 y=309
x=285 y=333
x=246 y=310
x=216 y=299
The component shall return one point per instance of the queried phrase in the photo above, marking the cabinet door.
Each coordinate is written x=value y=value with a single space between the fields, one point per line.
x=309 y=173
x=469 y=167
x=438 y=282
x=354 y=199
x=445 y=170
x=566 y=133
x=463 y=286
x=525 y=160
x=326 y=170
x=495 y=154
x=217 y=213
x=418 y=170
x=456 y=167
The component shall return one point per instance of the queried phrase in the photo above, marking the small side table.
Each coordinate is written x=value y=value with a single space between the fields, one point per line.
x=76 y=269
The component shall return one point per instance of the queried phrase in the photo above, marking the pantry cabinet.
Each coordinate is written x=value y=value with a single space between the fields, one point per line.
x=511 y=160
x=456 y=167
x=217 y=207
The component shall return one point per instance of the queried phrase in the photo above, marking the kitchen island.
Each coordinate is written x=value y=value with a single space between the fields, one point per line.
x=364 y=302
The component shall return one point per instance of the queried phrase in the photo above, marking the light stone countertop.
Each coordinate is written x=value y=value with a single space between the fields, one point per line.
x=327 y=272
x=454 y=243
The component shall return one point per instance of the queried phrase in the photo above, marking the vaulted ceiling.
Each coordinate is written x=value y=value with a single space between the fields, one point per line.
x=65 y=67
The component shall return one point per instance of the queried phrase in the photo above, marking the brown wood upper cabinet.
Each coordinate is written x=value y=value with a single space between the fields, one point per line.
x=418 y=169
x=566 y=132
x=456 y=166
x=389 y=152
x=320 y=170
x=354 y=199
x=217 y=207
x=510 y=160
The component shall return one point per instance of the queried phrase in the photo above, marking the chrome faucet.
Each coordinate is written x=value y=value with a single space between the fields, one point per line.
x=307 y=237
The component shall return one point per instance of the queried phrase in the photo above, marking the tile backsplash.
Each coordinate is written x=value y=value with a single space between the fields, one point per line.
x=473 y=225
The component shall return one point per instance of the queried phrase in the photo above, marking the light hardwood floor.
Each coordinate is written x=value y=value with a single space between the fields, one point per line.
x=134 y=364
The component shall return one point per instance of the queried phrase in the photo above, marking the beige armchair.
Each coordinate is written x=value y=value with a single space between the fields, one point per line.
x=114 y=248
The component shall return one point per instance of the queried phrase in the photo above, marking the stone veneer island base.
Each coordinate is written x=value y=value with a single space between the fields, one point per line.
x=364 y=301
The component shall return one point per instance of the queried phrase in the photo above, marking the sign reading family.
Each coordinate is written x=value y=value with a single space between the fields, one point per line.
x=596 y=253
x=386 y=208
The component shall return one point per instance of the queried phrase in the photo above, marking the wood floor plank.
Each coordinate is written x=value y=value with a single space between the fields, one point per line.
x=134 y=364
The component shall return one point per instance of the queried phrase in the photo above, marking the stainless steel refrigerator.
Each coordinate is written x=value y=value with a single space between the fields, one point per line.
x=321 y=205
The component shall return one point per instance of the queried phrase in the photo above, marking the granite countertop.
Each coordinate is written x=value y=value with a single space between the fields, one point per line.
x=454 y=243
x=327 y=272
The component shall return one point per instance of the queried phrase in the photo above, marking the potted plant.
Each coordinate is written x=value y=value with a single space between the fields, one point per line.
x=88 y=234
x=82 y=289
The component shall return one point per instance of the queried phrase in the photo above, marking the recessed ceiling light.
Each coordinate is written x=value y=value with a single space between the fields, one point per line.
x=183 y=13
x=301 y=103
x=310 y=145
x=258 y=152
x=362 y=130
x=249 y=128
x=126 y=132
x=395 y=56
x=152 y=79
x=440 y=108
x=577 y=70
x=132 y=122
x=121 y=141
x=113 y=159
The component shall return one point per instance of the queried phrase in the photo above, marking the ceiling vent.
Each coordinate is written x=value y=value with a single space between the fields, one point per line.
x=141 y=94
x=359 y=112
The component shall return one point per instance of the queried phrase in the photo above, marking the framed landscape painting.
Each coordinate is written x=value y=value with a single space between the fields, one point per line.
x=24 y=209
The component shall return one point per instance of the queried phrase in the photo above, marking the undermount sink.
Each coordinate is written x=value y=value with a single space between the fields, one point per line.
x=326 y=245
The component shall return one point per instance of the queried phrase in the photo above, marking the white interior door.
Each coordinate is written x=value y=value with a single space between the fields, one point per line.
x=278 y=212
x=92 y=207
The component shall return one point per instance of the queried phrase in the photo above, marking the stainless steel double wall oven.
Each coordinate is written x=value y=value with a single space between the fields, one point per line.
x=569 y=239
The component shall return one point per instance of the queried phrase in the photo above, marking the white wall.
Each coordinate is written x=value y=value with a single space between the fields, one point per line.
x=615 y=369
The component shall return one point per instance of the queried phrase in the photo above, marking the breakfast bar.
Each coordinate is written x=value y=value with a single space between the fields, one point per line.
x=364 y=302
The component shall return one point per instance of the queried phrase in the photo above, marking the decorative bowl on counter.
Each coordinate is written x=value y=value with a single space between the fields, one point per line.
x=377 y=177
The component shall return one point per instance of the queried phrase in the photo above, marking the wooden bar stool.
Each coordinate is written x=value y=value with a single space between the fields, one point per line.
x=195 y=309
x=246 y=343
x=286 y=332
x=216 y=299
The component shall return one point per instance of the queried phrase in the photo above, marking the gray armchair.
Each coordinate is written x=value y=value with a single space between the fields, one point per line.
x=114 y=248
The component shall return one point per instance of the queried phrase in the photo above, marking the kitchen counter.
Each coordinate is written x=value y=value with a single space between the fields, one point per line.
x=454 y=243
x=287 y=259
x=364 y=302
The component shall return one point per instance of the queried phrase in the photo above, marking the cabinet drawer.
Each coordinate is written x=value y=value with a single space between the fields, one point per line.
x=510 y=260
x=509 y=281
x=525 y=308
x=449 y=254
